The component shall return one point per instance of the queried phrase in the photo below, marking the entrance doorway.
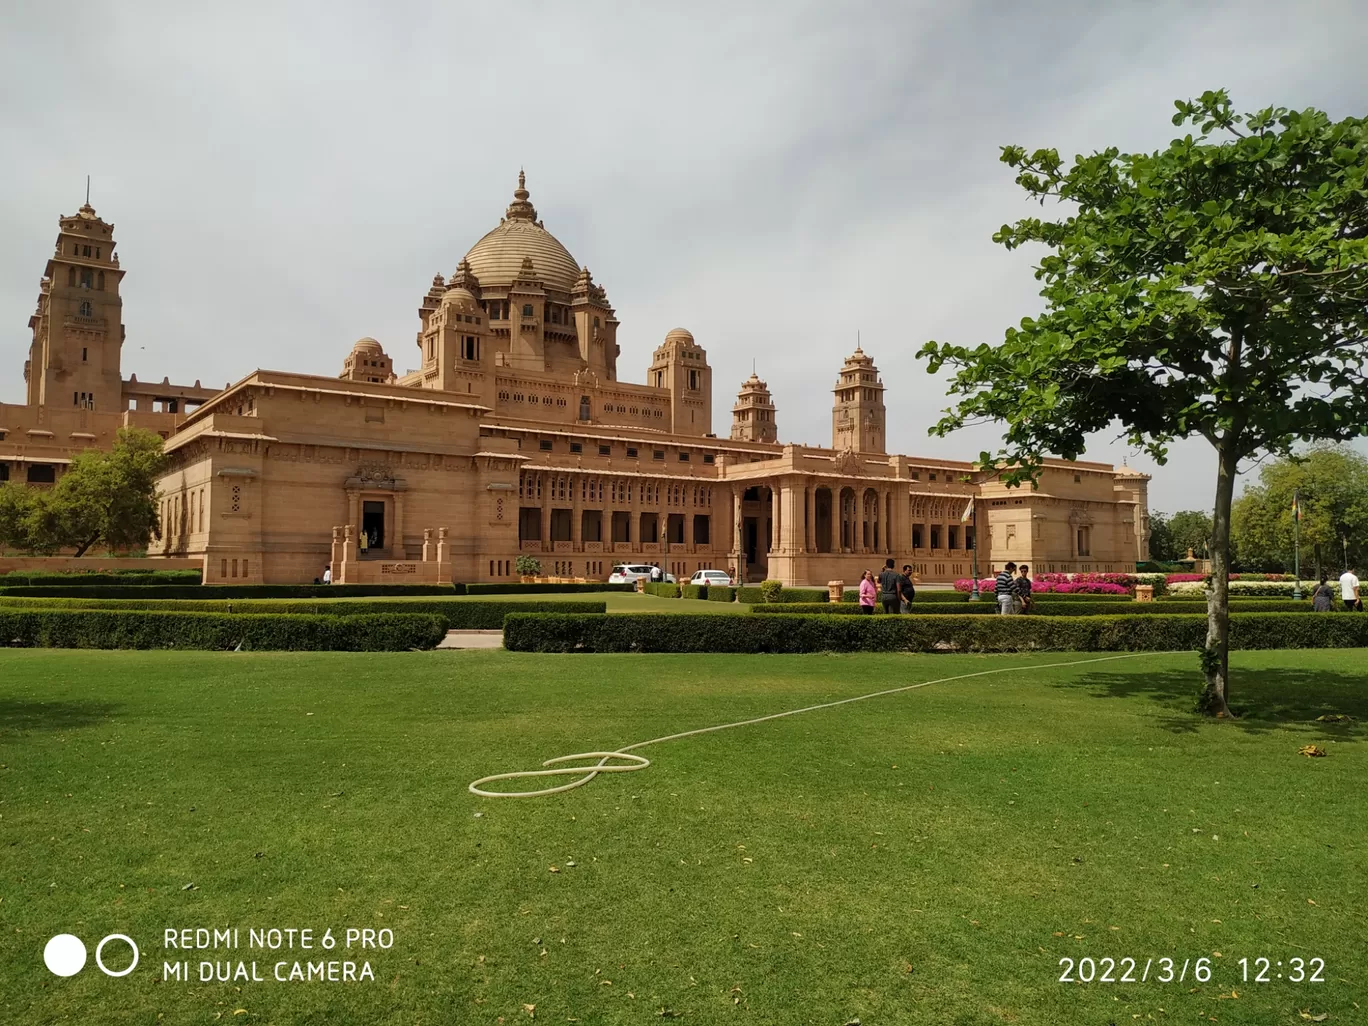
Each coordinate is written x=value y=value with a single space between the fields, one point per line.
x=373 y=524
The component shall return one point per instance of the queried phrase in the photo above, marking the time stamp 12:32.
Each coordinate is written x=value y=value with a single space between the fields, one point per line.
x=1199 y=970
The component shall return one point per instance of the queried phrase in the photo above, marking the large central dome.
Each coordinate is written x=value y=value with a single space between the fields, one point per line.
x=497 y=258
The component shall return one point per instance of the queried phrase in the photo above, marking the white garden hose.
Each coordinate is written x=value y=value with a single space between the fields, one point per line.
x=630 y=763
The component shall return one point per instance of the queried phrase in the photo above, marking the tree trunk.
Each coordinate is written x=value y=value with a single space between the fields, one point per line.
x=81 y=549
x=1216 y=657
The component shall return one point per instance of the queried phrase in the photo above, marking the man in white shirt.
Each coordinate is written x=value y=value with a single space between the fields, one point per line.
x=1349 y=591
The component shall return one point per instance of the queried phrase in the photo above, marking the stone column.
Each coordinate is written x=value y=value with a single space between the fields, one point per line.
x=349 y=543
x=443 y=547
x=354 y=509
x=547 y=482
x=810 y=523
x=663 y=516
x=576 y=513
x=689 y=531
x=836 y=519
x=396 y=545
x=336 y=553
x=738 y=541
x=427 y=545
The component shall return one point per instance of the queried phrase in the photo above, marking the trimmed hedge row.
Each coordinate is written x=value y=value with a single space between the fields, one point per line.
x=108 y=628
x=827 y=633
x=1045 y=608
x=660 y=589
x=83 y=579
x=540 y=589
x=720 y=593
x=456 y=614
x=752 y=594
x=693 y=591
x=233 y=591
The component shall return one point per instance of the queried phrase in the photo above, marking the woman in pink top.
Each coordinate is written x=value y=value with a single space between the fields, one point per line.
x=869 y=593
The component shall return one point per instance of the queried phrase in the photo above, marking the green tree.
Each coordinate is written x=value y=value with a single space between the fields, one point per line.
x=1191 y=529
x=1172 y=536
x=108 y=497
x=1217 y=287
x=1331 y=483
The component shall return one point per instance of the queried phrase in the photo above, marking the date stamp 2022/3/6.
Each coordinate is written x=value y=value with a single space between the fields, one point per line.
x=1126 y=969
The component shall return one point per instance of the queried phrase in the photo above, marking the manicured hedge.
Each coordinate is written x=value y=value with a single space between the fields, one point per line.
x=235 y=591
x=749 y=593
x=661 y=589
x=80 y=579
x=108 y=628
x=828 y=633
x=721 y=593
x=517 y=588
x=1104 y=608
x=458 y=614
x=693 y=591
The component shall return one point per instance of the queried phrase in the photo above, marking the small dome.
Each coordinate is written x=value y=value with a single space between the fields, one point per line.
x=367 y=345
x=680 y=335
x=459 y=296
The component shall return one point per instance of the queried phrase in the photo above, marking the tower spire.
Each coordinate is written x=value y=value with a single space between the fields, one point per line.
x=87 y=190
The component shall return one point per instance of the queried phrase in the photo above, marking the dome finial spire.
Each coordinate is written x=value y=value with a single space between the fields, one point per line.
x=521 y=209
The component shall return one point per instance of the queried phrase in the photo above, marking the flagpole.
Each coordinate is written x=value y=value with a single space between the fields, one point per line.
x=1296 y=544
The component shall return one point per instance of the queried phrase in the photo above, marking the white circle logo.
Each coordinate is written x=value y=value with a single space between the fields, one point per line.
x=65 y=954
x=100 y=948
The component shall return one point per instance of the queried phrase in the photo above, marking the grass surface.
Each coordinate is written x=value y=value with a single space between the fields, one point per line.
x=927 y=857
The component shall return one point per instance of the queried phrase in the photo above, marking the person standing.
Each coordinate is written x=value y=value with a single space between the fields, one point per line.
x=657 y=575
x=327 y=574
x=1004 y=587
x=890 y=592
x=906 y=590
x=868 y=592
x=1349 y=590
x=1323 y=598
x=1023 y=589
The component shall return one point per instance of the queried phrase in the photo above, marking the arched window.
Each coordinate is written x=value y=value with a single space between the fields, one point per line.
x=86 y=310
x=87 y=278
x=100 y=281
x=527 y=309
x=71 y=277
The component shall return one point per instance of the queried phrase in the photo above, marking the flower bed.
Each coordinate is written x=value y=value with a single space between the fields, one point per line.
x=1041 y=586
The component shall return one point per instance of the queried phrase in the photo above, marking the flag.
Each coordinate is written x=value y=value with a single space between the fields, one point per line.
x=1296 y=505
x=968 y=511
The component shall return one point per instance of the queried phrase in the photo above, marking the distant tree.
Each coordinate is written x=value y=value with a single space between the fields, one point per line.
x=1172 y=536
x=1217 y=287
x=108 y=497
x=1331 y=483
x=527 y=566
x=1191 y=530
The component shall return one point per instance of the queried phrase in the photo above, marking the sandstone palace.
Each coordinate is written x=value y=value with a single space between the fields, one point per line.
x=516 y=435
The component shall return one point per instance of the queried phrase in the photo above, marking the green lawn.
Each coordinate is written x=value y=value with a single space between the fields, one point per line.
x=927 y=857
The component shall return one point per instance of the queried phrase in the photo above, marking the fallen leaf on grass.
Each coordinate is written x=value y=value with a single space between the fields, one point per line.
x=531 y=1011
x=1305 y=1013
x=1312 y=751
x=1334 y=718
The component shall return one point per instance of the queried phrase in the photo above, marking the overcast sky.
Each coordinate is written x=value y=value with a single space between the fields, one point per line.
x=286 y=178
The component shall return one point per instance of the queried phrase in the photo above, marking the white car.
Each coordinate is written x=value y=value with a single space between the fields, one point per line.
x=630 y=573
x=720 y=578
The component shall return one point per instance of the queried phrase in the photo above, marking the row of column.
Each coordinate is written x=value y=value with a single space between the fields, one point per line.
x=794 y=509
x=637 y=511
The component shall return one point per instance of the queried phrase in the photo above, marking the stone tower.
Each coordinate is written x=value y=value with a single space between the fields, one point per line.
x=78 y=330
x=753 y=415
x=857 y=416
x=680 y=365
